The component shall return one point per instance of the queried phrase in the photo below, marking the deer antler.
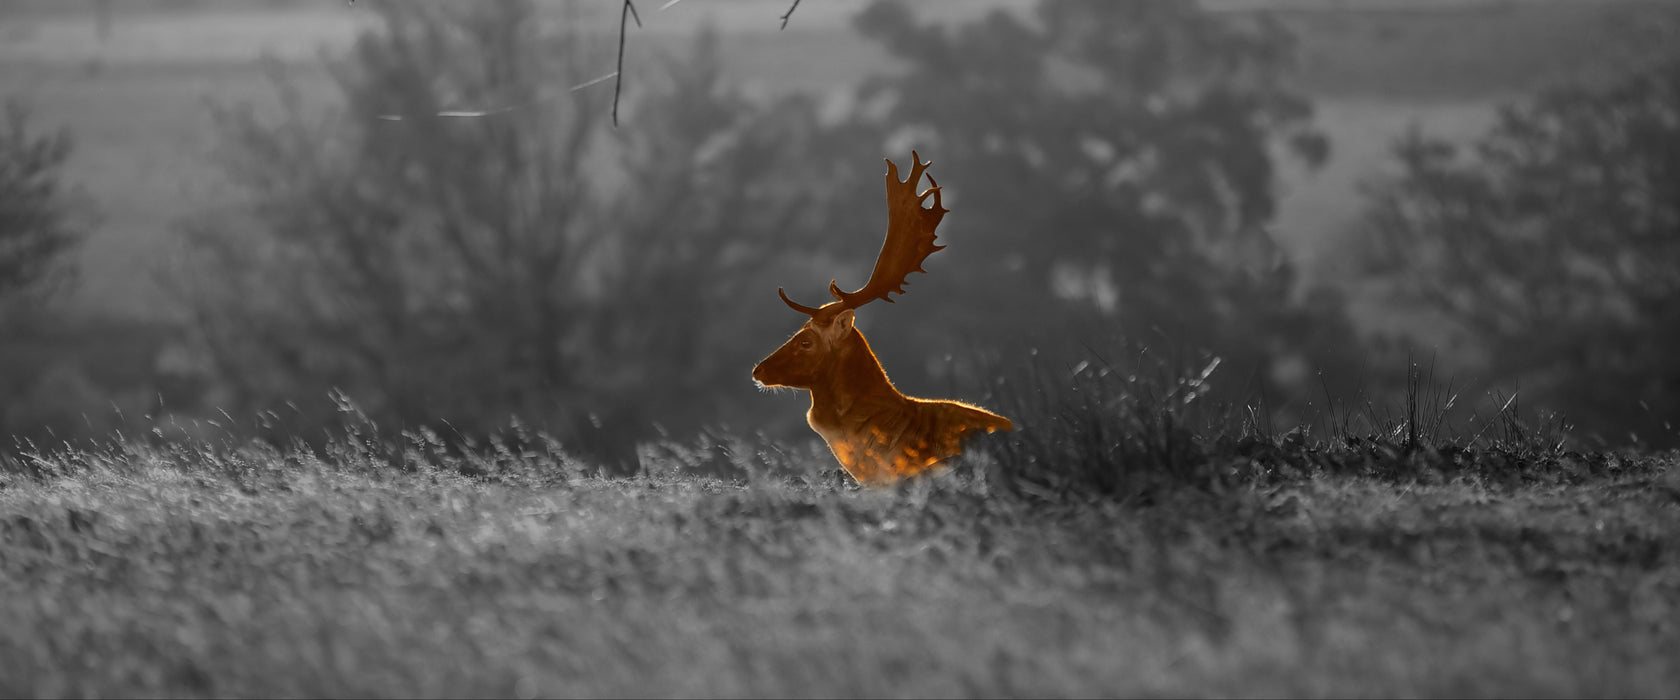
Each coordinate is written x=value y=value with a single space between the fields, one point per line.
x=910 y=235
x=796 y=306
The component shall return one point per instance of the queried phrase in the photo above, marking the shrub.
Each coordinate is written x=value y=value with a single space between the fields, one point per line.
x=449 y=271
x=41 y=222
x=1117 y=176
x=1549 y=245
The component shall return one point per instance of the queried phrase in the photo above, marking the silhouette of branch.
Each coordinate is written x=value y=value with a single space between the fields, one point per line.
x=618 y=84
x=625 y=15
x=785 y=17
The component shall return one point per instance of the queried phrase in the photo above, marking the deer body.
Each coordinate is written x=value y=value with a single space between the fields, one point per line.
x=878 y=434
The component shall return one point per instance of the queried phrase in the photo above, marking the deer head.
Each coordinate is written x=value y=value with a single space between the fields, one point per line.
x=910 y=233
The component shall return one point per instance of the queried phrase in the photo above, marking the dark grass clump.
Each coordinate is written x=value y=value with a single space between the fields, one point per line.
x=1092 y=431
x=1433 y=439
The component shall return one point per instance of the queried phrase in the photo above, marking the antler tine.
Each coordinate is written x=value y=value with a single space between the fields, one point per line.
x=796 y=306
x=917 y=167
x=938 y=201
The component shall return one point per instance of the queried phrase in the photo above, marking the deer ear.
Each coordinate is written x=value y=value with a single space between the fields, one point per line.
x=843 y=320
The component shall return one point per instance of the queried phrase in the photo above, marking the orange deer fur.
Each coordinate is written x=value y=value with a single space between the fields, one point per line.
x=878 y=434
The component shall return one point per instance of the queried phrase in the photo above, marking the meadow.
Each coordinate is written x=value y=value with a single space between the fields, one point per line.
x=1127 y=539
x=1089 y=553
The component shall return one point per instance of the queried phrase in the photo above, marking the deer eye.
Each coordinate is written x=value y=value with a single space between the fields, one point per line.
x=806 y=343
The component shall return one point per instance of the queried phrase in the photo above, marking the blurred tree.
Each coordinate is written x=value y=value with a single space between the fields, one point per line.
x=1552 y=247
x=39 y=221
x=469 y=239
x=1109 y=162
x=1117 y=157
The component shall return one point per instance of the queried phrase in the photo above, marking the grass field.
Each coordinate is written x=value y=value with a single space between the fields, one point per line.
x=1256 y=567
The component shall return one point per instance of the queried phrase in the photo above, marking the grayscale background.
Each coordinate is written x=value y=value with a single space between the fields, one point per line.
x=280 y=207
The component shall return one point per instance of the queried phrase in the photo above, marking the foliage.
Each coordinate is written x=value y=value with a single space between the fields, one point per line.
x=1117 y=171
x=451 y=271
x=1549 y=247
x=39 y=222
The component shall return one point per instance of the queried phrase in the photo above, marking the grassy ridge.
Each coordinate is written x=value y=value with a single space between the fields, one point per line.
x=373 y=567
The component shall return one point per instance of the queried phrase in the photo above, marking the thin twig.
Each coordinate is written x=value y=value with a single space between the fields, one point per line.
x=785 y=17
x=629 y=12
x=595 y=81
x=623 y=20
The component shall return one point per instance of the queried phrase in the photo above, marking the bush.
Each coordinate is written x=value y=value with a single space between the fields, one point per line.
x=450 y=272
x=1116 y=178
x=41 y=222
x=1549 y=248
x=610 y=285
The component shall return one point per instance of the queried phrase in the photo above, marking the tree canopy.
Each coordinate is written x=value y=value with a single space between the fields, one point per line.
x=464 y=238
x=1550 y=245
x=39 y=222
x=1118 y=175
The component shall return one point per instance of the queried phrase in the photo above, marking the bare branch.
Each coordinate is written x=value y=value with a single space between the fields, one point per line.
x=623 y=20
x=594 y=81
x=791 y=8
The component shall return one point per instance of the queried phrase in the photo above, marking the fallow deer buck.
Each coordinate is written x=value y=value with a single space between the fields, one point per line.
x=878 y=434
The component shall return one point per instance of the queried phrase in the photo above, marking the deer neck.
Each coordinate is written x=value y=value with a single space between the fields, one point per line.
x=854 y=392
